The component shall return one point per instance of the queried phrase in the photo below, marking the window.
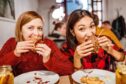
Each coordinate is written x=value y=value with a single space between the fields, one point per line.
x=96 y=7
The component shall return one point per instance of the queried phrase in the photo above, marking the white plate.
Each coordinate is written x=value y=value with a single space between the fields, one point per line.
x=30 y=77
x=107 y=76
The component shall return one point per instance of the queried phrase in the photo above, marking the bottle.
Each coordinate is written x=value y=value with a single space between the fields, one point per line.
x=6 y=75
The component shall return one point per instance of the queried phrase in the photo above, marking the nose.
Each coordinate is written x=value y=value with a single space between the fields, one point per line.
x=89 y=32
x=36 y=32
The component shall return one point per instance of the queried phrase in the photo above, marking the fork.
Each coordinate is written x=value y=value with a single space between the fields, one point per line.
x=87 y=71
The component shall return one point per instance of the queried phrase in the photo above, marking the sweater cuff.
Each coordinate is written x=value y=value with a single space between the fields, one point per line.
x=48 y=63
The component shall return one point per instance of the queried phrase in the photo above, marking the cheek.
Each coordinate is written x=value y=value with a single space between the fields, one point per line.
x=80 y=38
x=40 y=33
x=94 y=31
x=26 y=35
x=63 y=31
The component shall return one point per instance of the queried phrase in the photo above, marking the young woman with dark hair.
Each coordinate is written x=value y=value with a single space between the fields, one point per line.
x=85 y=48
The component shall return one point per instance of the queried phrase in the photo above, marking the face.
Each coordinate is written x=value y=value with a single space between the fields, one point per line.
x=34 y=28
x=84 y=29
x=63 y=30
x=106 y=26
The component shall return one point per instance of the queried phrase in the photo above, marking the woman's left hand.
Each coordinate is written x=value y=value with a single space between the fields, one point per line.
x=105 y=43
x=44 y=50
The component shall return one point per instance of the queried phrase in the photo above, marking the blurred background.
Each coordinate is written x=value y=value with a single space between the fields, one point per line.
x=57 y=10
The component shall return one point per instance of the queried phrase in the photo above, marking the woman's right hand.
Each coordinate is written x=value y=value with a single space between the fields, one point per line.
x=83 y=49
x=23 y=47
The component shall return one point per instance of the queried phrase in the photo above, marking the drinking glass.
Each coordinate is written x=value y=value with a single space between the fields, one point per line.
x=121 y=73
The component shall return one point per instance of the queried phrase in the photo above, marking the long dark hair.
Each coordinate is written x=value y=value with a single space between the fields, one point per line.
x=74 y=17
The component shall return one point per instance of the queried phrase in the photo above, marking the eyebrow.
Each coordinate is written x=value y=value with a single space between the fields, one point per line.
x=30 y=26
x=92 y=22
x=81 y=25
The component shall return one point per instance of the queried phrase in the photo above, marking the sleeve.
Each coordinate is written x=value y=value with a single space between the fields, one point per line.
x=7 y=56
x=117 y=48
x=110 y=34
x=58 y=62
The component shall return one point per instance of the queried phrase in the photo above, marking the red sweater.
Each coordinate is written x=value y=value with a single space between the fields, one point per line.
x=31 y=61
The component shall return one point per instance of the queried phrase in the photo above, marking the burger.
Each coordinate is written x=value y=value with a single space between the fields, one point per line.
x=95 y=42
x=36 y=40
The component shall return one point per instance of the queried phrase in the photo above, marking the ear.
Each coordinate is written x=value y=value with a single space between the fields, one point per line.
x=72 y=32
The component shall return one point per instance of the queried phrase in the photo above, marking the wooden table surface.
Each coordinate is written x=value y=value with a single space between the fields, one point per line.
x=66 y=80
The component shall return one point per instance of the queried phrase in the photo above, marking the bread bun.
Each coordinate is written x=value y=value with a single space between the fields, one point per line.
x=95 y=42
x=36 y=40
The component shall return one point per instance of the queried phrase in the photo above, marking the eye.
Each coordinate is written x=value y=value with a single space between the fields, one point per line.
x=82 y=28
x=40 y=28
x=30 y=27
x=92 y=26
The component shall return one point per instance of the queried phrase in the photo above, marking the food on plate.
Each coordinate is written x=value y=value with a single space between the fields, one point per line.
x=37 y=80
x=91 y=80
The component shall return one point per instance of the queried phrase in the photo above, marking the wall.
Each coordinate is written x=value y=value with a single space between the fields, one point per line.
x=112 y=6
x=44 y=8
x=6 y=30
x=25 y=5
x=105 y=8
x=7 y=27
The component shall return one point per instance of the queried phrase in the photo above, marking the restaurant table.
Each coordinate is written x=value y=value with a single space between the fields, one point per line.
x=66 y=80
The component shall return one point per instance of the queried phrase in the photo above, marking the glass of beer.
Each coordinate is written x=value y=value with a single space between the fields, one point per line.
x=121 y=73
x=6 y=75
